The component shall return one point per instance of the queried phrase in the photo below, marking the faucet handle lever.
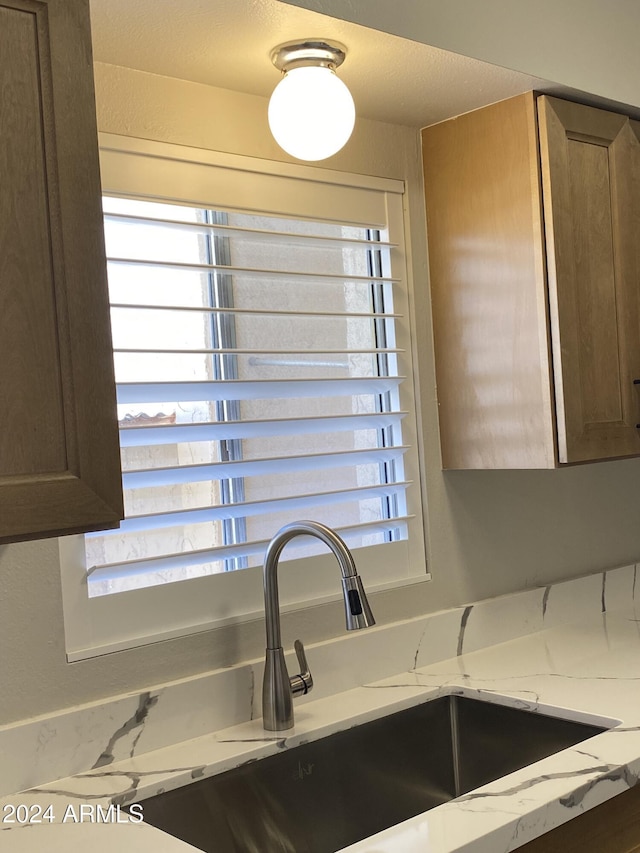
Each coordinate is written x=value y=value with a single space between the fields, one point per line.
x=303 y=682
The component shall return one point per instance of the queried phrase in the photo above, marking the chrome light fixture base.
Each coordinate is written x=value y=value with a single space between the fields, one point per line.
x=297 y=54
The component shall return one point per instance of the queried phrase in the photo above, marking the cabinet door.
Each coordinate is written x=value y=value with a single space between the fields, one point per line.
x=591 y=186
x=488 y=293
x=59 y=458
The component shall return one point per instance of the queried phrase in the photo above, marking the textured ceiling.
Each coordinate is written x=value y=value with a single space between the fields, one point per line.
x=226 y=43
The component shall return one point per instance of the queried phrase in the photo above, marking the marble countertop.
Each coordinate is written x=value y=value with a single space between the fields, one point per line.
x=588 y=671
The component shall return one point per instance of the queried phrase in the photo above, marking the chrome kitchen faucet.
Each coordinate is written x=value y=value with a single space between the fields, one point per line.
x=278 y=689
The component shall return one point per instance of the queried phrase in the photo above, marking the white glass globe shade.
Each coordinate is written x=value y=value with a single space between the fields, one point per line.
x=311 y=113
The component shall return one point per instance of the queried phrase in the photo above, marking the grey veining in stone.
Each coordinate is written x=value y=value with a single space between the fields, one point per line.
x=533 y=782
x=613 y=774
x=417 y=654
x=147 y=701
x=252 y=694
x=463 y=624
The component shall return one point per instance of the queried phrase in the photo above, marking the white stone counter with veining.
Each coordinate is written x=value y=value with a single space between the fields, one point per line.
x=587 y=669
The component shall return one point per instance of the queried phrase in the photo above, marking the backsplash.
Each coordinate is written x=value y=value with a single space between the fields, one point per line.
x=99 y=734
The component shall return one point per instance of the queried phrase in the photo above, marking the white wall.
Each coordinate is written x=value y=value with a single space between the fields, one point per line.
x=591 y=45
x=490 y=532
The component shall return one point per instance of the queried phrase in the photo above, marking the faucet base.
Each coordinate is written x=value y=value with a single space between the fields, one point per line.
x=277 y=703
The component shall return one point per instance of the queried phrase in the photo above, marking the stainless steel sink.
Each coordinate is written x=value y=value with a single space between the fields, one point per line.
x=325 y=795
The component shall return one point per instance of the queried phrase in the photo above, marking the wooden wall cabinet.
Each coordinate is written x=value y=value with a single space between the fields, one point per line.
x=59 y=456
x=533 y=222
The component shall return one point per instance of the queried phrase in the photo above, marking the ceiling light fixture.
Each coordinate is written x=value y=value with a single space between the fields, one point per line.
x=311 y=111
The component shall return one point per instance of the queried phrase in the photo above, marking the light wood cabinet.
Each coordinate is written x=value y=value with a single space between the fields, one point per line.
x=533 y=222
x=612 y=827
x=59 y=457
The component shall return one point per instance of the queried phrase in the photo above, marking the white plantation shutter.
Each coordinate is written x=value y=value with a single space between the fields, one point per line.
x=262 y=369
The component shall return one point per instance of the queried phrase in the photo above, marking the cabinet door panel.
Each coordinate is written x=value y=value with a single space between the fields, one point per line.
x=59 y=458
x=32 y=423
x=588 y=159
x=598 y=344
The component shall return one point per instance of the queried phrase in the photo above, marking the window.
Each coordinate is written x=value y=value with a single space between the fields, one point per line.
x=262 y=358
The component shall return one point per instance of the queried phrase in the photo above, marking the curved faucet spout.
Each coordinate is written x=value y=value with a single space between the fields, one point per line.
x=347 y=567
x=278 y=688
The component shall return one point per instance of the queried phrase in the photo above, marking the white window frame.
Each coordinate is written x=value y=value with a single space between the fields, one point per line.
x=146 y=169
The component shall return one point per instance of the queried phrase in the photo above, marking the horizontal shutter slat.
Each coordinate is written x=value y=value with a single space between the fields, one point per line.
x=163 y=520
x=142 y=436
x=202 y=309
x=229 y=389
x=252 y=467
x=228 y=230
x=225 y=269
x=115 y=571
x=263 y=352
